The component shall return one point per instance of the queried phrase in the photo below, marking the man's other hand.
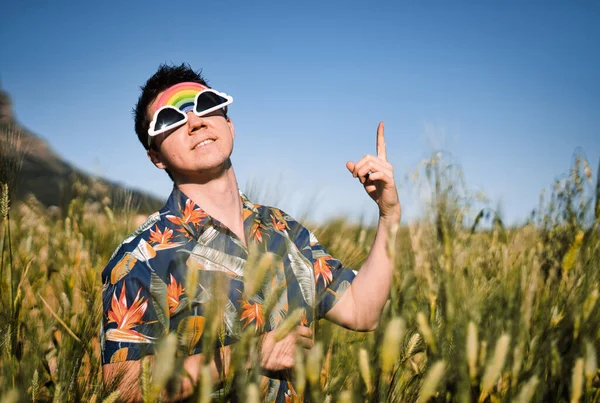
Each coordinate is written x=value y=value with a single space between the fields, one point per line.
x=280 y=355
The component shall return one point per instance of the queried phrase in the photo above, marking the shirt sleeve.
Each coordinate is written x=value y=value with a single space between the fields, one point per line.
x=130 y=325
x=332 y=279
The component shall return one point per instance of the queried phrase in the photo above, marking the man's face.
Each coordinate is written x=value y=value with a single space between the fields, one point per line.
x=198 y=149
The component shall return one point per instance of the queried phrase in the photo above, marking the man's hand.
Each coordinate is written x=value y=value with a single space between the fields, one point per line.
x=279 y=355
x=377 y=176
x=126 y=376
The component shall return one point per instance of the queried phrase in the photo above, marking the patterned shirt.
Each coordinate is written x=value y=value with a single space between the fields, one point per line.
x=144 y=283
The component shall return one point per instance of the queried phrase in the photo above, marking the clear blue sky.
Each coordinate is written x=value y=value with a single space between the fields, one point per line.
x=510 y=89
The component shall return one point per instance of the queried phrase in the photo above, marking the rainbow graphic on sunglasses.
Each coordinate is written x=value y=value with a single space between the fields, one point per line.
x=181 y=96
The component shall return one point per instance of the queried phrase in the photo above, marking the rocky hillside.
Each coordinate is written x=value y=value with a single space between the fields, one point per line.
x=30 y=166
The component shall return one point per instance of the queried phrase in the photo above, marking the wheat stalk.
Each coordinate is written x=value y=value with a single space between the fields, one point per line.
x=431 y=381
x=390 y=348
x=494 y=367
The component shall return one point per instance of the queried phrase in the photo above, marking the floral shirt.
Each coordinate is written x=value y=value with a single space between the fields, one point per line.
x=144 y=283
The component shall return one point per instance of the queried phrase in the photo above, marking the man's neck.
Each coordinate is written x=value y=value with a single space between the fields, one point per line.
x=220 y=198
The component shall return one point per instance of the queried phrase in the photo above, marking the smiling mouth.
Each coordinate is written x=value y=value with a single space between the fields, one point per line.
x=202 y=144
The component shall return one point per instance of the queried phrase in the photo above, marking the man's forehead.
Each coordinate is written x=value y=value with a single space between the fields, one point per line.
x=177 y=95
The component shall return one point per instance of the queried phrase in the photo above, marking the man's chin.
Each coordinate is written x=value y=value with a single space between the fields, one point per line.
x=204 y=172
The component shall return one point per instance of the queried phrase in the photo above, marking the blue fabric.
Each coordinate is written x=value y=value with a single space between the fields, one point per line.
x=144 y=282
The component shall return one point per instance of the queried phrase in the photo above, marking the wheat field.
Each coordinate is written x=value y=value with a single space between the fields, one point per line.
x=479 y=312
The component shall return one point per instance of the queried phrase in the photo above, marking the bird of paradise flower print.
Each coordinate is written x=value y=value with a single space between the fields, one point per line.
x=256 y=231
x=279 y=217
x=279 y=225
x=174 y=293
x=252 y=312
x=162 y=239
x=323 y=269
x=127 y=317
x=190 y=215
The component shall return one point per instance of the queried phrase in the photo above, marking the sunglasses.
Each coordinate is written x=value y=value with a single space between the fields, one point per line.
x=171 y=117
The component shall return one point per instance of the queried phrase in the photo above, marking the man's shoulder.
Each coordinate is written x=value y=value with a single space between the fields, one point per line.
x=141 y=233
x=296 y=230
x=156 y=235
x=272 y=213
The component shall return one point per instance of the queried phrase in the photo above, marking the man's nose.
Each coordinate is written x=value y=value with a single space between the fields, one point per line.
x=195 y=122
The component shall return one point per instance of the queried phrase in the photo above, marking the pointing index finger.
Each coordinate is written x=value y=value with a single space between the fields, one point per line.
x=381 y=152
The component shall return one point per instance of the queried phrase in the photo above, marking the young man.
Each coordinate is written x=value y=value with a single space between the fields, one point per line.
x=205 y=233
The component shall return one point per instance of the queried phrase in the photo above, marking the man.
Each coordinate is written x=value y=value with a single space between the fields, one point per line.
x=162 y=278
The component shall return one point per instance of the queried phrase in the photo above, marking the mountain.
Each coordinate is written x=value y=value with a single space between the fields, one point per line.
x=46 y=175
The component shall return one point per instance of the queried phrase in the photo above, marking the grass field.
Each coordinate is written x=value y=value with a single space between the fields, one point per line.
x=478 y=311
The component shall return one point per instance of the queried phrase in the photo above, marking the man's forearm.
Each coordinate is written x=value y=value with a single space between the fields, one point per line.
x=360 y=307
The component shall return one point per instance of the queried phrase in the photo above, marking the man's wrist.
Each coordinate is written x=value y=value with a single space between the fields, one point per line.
x=390 y=220
x=250 y=362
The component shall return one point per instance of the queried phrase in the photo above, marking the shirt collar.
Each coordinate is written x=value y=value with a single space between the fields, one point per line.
x=181 y=205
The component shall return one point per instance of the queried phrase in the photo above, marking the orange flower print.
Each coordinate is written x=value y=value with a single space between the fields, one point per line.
x=161 y=239
x=291 y=396
x=322 y=269
x=303 y=319
x=174 y=292
x=279 y=225
x=127 y=317
x=190 y=215
x=256 y=231
x=253 y=312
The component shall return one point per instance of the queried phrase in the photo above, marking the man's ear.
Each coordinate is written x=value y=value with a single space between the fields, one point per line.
x=156 y=158
x=230 y=123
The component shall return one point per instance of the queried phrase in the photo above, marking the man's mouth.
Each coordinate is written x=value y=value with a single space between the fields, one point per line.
x=203 y=143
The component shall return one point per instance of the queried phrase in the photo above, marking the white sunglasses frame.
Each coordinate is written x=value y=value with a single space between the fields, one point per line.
x=152 y=133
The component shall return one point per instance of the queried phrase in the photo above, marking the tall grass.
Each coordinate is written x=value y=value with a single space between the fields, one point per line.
x=476 y=313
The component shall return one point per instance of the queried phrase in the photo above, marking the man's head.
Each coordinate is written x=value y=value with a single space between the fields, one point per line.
x=175 y=150
x=165 y=77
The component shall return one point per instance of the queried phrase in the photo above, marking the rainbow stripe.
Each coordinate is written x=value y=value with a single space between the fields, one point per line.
x=181 y=96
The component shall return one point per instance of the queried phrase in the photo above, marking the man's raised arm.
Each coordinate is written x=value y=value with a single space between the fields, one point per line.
x=361 y=305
